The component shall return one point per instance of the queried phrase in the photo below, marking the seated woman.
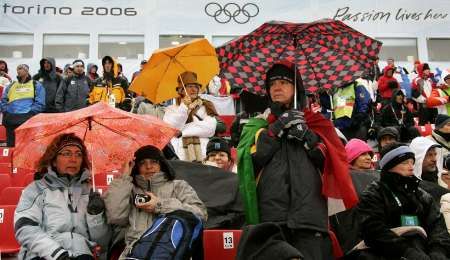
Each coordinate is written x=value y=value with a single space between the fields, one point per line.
x=218 y=154
x=396 y=204
x=149 y=174
x=58 y=215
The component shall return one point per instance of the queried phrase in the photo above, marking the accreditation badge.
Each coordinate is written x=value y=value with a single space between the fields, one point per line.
x=409 y=220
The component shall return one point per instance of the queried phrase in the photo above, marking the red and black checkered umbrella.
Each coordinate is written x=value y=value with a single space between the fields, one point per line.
x=328 y=54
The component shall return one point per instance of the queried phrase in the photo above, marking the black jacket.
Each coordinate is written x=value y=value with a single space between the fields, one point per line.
x=50 y=81
x=378 y=212
x=391 y=113
x=290 y=186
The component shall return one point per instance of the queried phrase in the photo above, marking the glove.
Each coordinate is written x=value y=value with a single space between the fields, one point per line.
x=286 y=121
x=301 y=133
x=96 y=205
x=415 y=254
x=63 y=256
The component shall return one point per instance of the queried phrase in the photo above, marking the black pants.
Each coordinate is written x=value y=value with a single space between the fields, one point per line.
x=11 y=122
x=312 y=244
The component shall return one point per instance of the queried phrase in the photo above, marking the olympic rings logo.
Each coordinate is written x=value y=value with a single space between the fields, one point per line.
x=240 y=15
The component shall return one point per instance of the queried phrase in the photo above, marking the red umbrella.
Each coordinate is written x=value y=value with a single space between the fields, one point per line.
x=111 y=135
x=327 y=53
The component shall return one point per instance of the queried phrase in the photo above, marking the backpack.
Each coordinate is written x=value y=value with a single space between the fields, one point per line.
x=170 y=237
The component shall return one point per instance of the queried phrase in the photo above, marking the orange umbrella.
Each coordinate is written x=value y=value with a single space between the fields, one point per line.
x=111 y=135
x=158 y=79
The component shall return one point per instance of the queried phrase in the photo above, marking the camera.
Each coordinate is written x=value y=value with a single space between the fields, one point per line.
x=141 y=198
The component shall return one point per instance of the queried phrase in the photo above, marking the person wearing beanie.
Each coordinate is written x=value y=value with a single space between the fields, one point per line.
x=218 y=153
x=441 y=133
x=395 y=205
x=150 y=176
x=193 y=116
x=284 y=150
x=111 y=87
x=387 y=135
x=21 y=100
x=397 y=115
x=73 y=91
x=92 y=70
x=59 y=216
x=422 y=87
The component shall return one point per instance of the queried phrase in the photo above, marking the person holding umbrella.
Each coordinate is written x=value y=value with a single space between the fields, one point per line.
x=193 y=116
x=58 y=216
x=293 y=147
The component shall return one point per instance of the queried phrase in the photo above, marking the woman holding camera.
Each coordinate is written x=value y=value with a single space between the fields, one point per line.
x=146 y=189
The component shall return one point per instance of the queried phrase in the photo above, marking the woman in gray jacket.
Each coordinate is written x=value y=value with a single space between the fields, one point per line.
x=58 y=215
x=151 y=176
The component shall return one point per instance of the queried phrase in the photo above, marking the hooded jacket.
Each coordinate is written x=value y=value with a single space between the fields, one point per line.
x=173 y=195
x=420 y=147
x=51 y=81
x=392 y=113
x=422 y=86
x=91 y=76
x=52 y=218
x=440 y=96
x=109 y=84
x=383 y=83
x=72 y=93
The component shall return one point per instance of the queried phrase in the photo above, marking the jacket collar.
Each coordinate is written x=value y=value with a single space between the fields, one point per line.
x=56 y=181
x=440 y=140
x=146 y=184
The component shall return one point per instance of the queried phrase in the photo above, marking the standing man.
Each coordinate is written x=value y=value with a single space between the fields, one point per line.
x=194 y=117
x=73 y=91
x=111 y=87
x=50 y=80
x=136 y=73
x=422 y=87
x=21 y=100
x=287 y=150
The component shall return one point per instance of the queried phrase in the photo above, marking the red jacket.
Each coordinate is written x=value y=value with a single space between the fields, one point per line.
x=383 y=83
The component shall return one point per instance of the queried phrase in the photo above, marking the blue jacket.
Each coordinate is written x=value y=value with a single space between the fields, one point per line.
x=24 y=106
x=361 y=107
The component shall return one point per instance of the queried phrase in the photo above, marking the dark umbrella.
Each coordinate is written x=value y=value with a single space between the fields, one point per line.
x=327 y=54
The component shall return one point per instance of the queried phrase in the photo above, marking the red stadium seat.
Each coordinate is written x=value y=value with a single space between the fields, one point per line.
x=5 y=181
x=6 y=155
x=5 y=168
x=2 y=134
x=10 y=195
x=22 y=177
x=104 y=178
x=8 y=243
x=220 y=244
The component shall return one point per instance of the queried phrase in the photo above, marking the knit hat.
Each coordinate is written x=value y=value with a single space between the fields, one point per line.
x=217 y=144
x=355 y=148
x=280 y=71
x=78 y=62
x=24 y=67
x=393 y=154
x=390 y=130
x=441 y=120
x=152 y=152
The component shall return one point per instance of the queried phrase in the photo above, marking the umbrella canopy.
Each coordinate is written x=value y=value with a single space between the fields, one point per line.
x=158 y=80
x=110 y=135
x=327 y=53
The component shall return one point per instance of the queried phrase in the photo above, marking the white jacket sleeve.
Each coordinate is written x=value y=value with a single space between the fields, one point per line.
x=445 y=209
x=176 y=116
x=27 y=225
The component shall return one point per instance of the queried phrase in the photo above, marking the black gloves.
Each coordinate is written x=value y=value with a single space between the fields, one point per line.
x=63 y=256
x=415 y=254
x=285 y=121
x=96 y=204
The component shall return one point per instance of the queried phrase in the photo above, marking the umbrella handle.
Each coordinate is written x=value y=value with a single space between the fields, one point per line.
x=182 y=83
x=92 y=170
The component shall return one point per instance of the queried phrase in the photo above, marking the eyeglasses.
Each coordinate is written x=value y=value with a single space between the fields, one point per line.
x=68 y=154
